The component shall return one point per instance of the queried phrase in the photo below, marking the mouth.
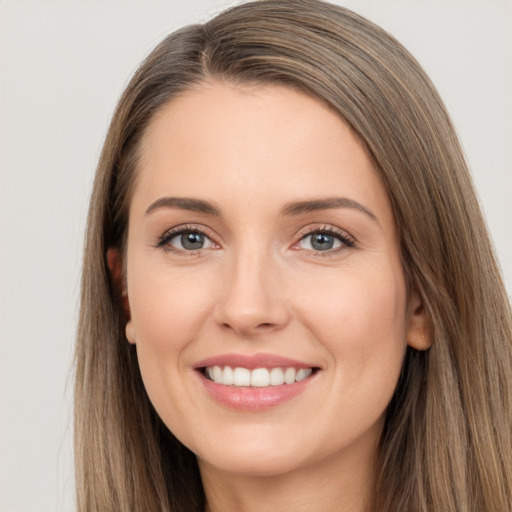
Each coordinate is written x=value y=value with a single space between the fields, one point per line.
x=239 y=376
x=255 y=383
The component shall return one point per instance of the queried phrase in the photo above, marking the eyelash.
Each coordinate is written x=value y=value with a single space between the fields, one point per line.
x=347 y=242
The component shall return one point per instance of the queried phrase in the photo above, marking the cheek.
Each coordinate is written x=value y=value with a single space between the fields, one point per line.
x=168 y=310
x=167 y=307
x=360 y=319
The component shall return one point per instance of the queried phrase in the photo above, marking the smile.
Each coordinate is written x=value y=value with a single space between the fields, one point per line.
x=257 y=382
x=258 y=377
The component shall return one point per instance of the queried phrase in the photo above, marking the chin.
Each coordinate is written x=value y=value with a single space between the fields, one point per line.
x=262 y=464
x=256 y=455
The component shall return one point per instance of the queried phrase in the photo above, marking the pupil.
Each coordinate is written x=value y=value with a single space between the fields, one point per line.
x=192 y=241
x=322 y=242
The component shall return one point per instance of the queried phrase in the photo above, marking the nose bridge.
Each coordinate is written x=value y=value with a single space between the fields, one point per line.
x=252 y=301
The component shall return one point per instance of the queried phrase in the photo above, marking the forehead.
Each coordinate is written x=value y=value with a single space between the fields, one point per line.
x=221 y=139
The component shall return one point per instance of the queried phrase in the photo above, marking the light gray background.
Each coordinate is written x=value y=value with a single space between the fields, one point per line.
x=63 y=65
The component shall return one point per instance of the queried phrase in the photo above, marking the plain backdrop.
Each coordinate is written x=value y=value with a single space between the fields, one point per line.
x=63 y=66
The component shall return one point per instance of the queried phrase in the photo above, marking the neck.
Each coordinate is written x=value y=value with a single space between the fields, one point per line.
x=340 y=483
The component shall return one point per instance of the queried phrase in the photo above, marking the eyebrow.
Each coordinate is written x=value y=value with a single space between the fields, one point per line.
x=184 y=203
x=290 y=209
x=299 y=207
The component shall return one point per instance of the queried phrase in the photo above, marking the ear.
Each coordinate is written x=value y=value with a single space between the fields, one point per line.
x=418 y=332
x=115 y=266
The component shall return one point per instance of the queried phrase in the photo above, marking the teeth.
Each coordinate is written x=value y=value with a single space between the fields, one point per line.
x=241 y=377
x=227 y=376
x=276 y=377
x=289 y=375
x=259 y=377
x=217 y=373
x=303 y=373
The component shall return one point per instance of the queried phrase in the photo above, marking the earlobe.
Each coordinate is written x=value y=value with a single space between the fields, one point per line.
x=130 y=332
x=418 y=333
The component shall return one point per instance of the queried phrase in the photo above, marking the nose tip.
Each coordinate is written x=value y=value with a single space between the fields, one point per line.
x=252 y=303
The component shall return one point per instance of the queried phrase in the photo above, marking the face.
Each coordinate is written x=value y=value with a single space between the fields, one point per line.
x=268 y=303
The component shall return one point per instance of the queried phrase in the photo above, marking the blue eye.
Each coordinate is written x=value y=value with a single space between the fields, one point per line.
x=325 y=240
x=186 y=240
x=192 y=241
x=322 y=241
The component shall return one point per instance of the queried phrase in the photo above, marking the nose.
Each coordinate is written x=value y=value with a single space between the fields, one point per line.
x=252 y=299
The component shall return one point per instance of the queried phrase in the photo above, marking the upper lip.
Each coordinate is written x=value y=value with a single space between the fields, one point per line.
x=252 y=361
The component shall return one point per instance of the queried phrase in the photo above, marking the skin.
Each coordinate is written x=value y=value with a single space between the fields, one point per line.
x=259 y=286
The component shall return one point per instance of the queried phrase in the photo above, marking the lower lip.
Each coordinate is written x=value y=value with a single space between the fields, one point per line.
x=254 y=398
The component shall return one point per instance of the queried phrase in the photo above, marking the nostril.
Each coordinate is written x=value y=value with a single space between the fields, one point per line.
x=264 y=326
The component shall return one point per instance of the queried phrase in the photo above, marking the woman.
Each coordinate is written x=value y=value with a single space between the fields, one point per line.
x=289 y=298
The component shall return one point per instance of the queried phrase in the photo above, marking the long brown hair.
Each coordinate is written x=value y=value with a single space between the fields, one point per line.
x=447 y=443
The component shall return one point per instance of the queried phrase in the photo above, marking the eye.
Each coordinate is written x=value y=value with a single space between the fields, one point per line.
x=325 y=240
x=190 y=241
x=320 y=242
x=186 y=240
